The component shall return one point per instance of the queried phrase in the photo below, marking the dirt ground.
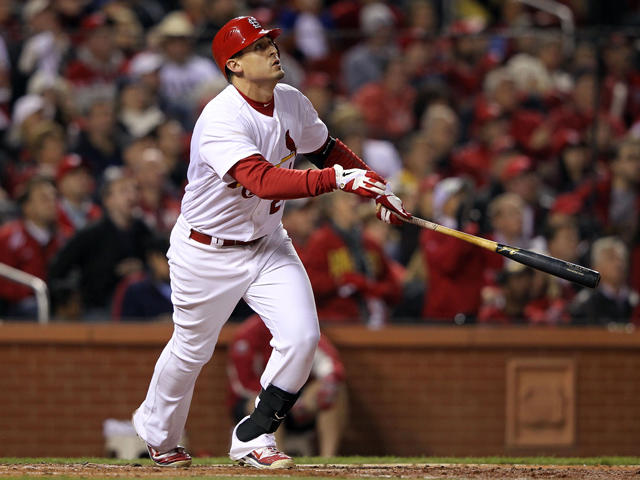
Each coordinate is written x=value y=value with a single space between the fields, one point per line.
x=426 y=471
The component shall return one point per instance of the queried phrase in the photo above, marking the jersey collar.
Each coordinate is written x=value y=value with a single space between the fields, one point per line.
x=263 y=108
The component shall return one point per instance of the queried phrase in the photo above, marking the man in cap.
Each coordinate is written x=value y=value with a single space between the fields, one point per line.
x=229 y=244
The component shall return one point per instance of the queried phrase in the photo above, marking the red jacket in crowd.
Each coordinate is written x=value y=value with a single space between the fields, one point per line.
x=331 y=266
x=250 y=350
x=66 y=225
x=457 y=271
x=19 y=249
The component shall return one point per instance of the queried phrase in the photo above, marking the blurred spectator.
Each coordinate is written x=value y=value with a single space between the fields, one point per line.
x=58 y=98
x=217 y=13
x=76 y=208
x=41 y=155
x=146 y=296
x=615 y=200
x=127 y=31
x=98 y=143
x=622 y=79
x=28 y=244
x=441 y=128
x=347 y=123
x=48 y=45
x=471 y=60
x=418 y=162
x=310 y=28
x=28 y=112
x=456 y=269
x=508 y=305
x=364 y=63
x=518 y=175
x=183 y=71
x=422 y=22
x=322 y=405
x=137 y=114
x=475 y=159
x=612 y=300
x=299 y=220
x=386 y=104
x=573 y=168
x=508 y=216
x=349 y=272
x=173 y=142
x=551 y=295
x=100 y=255
x=319 y=89
x=550 y=53
x=98 y=62
x=159 y=205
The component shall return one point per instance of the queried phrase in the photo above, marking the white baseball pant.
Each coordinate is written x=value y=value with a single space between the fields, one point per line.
x=207 y=281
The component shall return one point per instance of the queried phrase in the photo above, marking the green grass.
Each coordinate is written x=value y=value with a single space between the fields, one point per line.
x=360 y=460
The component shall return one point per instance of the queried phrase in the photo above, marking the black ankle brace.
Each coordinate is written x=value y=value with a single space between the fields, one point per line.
x=273 y=406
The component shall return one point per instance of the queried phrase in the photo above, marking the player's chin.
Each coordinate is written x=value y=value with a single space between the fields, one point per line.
x=279 y=74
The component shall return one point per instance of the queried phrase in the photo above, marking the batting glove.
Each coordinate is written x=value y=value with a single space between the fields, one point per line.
x=388 y=206
x=365 y=183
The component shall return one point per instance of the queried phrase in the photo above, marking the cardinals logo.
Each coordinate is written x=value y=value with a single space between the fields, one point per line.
x=291 y=146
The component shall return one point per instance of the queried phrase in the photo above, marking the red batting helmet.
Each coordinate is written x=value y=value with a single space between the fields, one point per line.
x=236 y=35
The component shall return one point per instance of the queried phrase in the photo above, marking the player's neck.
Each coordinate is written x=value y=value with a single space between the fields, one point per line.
x=258 y=92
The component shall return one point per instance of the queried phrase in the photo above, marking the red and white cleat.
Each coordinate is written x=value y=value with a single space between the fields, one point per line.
x=177 y=457
x=267 y=457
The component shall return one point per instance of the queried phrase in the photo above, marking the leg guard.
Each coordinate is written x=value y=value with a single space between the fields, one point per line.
x=272 y=407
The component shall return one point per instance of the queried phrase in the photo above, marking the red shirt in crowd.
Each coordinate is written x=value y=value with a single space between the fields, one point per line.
x=331 y=265
x=457 y=271
x=19 y=249
x=250 y=351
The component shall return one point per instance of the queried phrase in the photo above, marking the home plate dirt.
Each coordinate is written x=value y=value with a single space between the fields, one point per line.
x=425 y=471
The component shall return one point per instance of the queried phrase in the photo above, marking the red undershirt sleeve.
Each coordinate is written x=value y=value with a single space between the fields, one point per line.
x=266 y=181
x=339 y=154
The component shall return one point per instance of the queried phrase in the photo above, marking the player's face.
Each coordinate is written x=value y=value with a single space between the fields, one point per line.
x=260 y=61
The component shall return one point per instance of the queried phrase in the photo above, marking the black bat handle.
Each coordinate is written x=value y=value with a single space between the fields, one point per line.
x=560 y=268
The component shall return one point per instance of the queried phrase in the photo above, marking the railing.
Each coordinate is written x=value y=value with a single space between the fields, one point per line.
x=35 y=283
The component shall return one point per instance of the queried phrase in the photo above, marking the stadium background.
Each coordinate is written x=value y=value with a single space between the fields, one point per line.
x=418 y=389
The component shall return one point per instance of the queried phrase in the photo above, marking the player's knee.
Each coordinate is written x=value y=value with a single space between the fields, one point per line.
x=305 y=345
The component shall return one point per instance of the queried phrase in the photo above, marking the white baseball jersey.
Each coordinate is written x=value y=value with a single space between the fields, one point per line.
x=229 y=130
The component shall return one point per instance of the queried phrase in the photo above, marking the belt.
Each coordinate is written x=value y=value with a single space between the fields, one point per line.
x=208 y=240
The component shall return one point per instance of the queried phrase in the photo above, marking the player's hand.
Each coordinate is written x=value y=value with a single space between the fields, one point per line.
x=365 y=183
x=357 y=281
x=388 y=206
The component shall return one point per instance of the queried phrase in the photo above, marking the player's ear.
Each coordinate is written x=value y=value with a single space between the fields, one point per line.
x=234 y=65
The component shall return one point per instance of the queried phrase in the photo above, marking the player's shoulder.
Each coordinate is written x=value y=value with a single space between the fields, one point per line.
x=225 y=106
x=284 y=91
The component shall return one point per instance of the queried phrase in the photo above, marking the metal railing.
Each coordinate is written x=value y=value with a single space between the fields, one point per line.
x=37 y=284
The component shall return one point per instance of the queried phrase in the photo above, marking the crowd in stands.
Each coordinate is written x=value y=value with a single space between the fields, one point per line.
x=483 y=116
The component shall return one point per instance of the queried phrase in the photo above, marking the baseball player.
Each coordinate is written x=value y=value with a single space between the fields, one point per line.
x=228 y=243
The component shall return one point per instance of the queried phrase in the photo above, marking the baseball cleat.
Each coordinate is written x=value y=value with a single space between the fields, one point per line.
x=176 y=457
x=267 y=457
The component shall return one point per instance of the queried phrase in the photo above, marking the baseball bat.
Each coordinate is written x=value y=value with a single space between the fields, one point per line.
x=554 y=266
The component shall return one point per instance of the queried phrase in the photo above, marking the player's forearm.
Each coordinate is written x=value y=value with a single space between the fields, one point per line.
x=271 y=183
x=334 y=151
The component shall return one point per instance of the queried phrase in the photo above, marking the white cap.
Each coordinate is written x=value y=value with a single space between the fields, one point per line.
x=33 y=8
x=25 y=107
x=375 y=15
x=444 y=190
x=176 y=24
x=145 y=62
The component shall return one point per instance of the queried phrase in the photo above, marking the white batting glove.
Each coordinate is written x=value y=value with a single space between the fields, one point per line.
x=365 y=183
x=390 y=207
